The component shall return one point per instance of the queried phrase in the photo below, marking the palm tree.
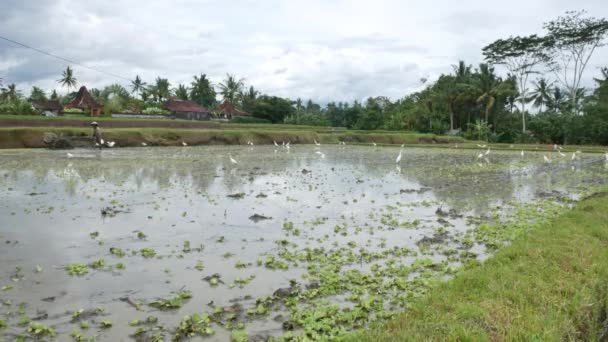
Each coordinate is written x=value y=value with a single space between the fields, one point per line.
x=10 y=93
x=67 y=79
x=162 y=89
x=540 y=96
x=231 y=87
x=557 y=100
x=181 y=92
x=137 y=85
x=201 y=91
x=298 y=104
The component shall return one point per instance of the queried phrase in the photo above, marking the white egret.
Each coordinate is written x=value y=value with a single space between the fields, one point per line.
x=398 y=157
x=522 y=153
x=321 y=154
x=481 y=146
x=561 y=154
x=488 y=152
x=184 y=143
x=144 y=144
x=547 y=160
x=275 y=143
x=101 y=141
x=110 y=143
x=573 y=155
x=606 y=155
x=316 y=143
x=373 y=143
x=480 y=156
x=70 y=155
x=232 y=160
x=403 y=145
x=287 y=145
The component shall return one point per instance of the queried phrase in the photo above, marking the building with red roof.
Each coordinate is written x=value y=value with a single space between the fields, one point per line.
x=185 y=109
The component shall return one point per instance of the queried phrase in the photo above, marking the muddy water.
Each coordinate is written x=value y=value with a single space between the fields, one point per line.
x=57 y=210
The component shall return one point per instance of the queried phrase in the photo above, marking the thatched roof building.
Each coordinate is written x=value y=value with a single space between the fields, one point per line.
x=85 y=101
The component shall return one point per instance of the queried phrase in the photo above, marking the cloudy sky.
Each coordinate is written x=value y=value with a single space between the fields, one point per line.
x=321 y=49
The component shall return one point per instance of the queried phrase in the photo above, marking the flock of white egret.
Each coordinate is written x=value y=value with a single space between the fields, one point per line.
x=483 y=155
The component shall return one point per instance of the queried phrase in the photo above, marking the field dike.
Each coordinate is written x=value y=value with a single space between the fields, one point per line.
x=32 y=137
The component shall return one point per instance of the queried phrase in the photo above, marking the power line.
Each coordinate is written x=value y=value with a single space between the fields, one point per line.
x=63 y=58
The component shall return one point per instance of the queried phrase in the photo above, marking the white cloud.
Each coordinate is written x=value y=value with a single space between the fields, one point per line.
x=325 y=50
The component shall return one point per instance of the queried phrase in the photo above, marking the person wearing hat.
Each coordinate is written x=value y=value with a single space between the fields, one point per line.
x=97 y=134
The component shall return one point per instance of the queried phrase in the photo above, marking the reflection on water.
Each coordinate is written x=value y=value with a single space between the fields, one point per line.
x=49 y=205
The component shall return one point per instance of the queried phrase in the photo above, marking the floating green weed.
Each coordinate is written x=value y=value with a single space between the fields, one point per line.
x=193 y=325
x=40 y=330
x=77 y=269
x=172 y=303
x=147 y=252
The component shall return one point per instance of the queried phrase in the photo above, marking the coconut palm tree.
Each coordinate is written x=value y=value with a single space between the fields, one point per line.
x=67 y=79
x=162 y=89
x=557 y=100
x=181 y=92
x=10 y=93
x=201 y=91
x=137 y=85
x=541 y=95
x=231 y=87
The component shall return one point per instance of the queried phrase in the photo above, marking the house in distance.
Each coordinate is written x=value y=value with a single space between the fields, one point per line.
x=47 y=108
x=85 y=102
x=187 y=110
x=227 y=110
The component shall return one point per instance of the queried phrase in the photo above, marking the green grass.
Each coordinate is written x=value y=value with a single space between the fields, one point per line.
x=16 y=137
x=549 y=285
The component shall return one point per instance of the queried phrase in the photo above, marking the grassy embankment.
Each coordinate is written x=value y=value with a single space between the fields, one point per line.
x=31 y=137
x=549 y=285
x=18 y=131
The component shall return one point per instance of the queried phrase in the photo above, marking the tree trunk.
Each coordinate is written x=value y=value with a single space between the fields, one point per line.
x=523 y=120
x=451 y=121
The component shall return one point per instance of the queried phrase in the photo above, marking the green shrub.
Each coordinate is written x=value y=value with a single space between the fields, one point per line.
x=17 y=107
x=249 y=120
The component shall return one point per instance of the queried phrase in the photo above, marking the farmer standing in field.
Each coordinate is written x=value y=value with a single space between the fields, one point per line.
x=97 y=134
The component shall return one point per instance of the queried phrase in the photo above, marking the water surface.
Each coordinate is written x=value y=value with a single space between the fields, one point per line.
x=354 y=206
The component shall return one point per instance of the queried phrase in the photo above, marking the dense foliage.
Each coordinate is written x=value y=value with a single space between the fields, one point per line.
x=476 y=102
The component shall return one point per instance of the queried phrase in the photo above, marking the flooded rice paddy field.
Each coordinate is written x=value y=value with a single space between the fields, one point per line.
x=159 y=244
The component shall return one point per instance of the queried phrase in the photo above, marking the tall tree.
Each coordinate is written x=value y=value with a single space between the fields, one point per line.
x=10 y=93
x=572 y=40
x=557 y=100
x=202 y=92
x=162 y=89
x=248 y=98
x=231 y=87
x=37 y=94
x=181 y=92
x=54 y=95
x=137 y=85
x=67 y=79
x=541 y=95
x=521 y=56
